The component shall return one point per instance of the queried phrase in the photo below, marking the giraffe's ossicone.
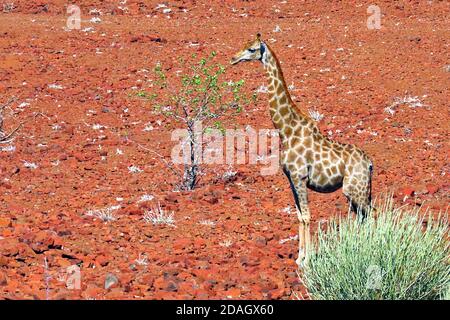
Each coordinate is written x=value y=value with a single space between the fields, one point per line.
x=309 y=159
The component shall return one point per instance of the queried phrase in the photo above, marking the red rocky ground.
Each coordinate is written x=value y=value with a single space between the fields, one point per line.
x=73 y=91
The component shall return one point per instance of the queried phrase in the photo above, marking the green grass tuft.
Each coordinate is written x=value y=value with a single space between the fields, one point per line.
x=394 y=257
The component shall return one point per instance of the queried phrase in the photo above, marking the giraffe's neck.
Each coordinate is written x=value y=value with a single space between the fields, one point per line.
x=284 y=113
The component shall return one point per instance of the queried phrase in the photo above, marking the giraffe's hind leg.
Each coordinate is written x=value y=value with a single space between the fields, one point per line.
x=357 y=188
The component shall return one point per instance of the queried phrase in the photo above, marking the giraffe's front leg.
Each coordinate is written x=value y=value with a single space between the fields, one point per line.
x=298 y=186
x=304 y=218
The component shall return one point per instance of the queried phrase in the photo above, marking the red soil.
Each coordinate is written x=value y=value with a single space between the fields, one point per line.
x=338 y=67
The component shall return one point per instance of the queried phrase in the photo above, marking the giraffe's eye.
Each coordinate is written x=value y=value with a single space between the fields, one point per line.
x=251 y=50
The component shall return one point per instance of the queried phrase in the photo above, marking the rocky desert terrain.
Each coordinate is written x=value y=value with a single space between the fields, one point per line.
x=84 y=140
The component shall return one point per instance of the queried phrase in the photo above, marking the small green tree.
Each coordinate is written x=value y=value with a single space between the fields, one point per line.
x=202 y=95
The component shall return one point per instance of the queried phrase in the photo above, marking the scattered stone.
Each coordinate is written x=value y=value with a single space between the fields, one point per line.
x=102 y=260
x=407 y=192
x=3 y=279
x=432 y=189
x=9 y=247
x=3 y=261
x=260 y=241
x=146 y=39
x=5 y=222
x=172 y=287
x=172 y=197
x=232 y=293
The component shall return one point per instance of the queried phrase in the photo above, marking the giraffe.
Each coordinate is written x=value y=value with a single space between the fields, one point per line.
x=309 y=159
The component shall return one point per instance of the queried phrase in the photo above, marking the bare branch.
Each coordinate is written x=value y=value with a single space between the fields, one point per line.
x=8 y=103
x=161 y=157
x=4 y=138
x=8 y=137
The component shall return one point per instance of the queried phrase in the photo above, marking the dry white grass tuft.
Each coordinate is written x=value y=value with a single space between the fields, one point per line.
x=104 y=214
x=157 y=215
x=316 y=115
x=410 y=101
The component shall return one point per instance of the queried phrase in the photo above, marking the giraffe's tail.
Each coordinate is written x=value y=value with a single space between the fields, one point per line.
x=371 y=206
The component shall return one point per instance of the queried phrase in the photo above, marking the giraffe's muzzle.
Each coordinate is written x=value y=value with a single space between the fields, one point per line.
x=234 y=60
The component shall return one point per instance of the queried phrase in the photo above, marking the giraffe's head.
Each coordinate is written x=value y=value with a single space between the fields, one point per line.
x=253 y=50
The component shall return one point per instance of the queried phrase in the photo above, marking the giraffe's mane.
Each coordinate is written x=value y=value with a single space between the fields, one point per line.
x=283 y=81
